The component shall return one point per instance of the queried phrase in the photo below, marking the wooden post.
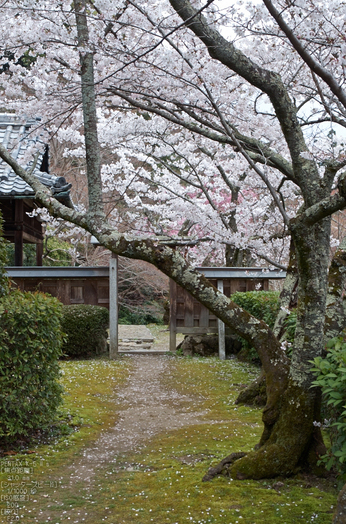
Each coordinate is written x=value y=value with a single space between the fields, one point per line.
x=39 y=253
x=172 y=315
x=18 y=234
x=113 y=307
x=221 y=329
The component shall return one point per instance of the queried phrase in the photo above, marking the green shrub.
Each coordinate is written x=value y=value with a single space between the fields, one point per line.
x=139 y=317
x=263 y=305
x=330 y=373
x=85 y=327
x=30 y=344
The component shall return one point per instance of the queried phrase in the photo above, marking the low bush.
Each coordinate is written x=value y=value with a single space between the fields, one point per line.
x=139 y=317
x=263 y=305
x=86 y=330
x=330 y=373
x=30 y=345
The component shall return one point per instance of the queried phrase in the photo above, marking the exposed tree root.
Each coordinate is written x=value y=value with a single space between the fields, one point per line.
x=224 y=464
x=340 y=512
x=289 y=443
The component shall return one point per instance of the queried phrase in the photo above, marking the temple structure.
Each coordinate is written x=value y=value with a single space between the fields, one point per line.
x=23 y=139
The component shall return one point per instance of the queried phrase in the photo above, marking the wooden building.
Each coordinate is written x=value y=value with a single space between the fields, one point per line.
x=71 y=285
x=17 y=202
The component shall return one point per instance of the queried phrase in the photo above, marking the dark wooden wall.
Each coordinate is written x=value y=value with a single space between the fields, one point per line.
x=93 y=291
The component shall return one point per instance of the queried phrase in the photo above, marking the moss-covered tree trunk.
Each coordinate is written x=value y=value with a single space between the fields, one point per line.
x=292 y=440
x=255 y=393
x=289 y=438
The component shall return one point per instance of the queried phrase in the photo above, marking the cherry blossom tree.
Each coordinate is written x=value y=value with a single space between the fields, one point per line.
x=225 y=125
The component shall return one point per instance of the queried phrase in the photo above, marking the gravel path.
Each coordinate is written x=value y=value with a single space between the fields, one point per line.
x=147 y=409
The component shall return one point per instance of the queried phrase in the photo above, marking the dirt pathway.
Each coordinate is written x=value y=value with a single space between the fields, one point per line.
x=147 y=408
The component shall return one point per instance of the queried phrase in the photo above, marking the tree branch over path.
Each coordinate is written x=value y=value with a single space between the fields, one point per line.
x=267 y=81
x=174 y=265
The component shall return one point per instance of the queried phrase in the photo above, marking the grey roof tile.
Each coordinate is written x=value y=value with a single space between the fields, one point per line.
x=15 y=135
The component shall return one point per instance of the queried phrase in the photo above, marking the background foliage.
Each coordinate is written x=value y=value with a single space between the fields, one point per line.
x=56 y=253
x=140 y=316
x=263 y=305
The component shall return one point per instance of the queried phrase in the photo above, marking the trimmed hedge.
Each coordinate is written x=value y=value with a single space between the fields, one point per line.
x=263 y=305
x=85 y=328
x=30 y=345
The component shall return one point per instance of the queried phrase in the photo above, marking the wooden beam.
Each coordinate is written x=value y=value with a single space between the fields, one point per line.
x=113 y=307
x=221 y=329
x=172 y=315
x=18 y=235
x=39 y=253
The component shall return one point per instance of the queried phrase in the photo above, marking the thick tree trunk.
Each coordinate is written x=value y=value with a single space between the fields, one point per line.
x=255 y=394
x=335 y=314
x=237 y=257
x=92 y=146
x=290 y=440
x=288 y=295
x=335 y=321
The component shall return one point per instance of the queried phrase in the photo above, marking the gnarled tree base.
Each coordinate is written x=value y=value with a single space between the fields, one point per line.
x=340 y=512
x=222 y=467
x=289 y=444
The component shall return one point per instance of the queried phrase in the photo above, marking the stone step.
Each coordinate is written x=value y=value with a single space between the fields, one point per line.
x=136 y=351
x=132 y=346
x=136 y=340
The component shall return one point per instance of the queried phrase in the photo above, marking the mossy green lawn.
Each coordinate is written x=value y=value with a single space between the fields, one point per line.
x=161 y=482
x=90 y=388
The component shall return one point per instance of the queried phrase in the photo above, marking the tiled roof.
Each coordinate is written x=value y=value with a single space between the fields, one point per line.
x=16 y=137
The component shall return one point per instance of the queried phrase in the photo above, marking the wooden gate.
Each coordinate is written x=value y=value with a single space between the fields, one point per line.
x=190 y=317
